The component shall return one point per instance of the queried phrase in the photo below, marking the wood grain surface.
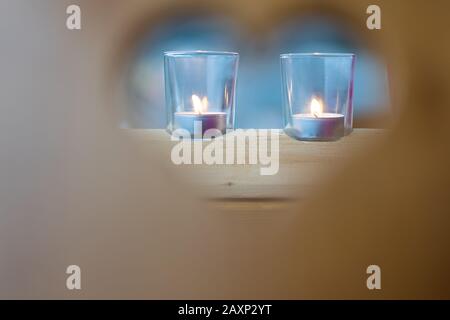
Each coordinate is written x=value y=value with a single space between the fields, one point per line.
x=303 y=166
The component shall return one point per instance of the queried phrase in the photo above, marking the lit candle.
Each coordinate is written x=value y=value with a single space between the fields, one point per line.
x=208 y=120
x=318 y=125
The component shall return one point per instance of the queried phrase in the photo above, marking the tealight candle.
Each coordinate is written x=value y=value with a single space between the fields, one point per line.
x=191 y=78
x=208 y=120
x=318 y=125
x=317 y=93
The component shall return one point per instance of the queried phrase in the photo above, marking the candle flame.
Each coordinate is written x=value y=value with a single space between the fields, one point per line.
x=205 y=103
x=316 y=107
x=200 y=105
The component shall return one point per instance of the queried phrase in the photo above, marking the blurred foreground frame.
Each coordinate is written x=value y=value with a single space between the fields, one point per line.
x=105 y=206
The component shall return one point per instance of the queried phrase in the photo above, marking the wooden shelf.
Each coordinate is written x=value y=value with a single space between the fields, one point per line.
x=302 y=167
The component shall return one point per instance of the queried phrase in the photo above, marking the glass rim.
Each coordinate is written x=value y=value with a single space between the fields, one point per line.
x=187 y=53
x=316 y=54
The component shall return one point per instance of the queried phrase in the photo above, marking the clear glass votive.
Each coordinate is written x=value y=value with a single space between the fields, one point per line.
x=317 y=91
x=200 y=91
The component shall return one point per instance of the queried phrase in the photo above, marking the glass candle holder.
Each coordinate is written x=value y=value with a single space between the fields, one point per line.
x=317 y=95
x=200 y=91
